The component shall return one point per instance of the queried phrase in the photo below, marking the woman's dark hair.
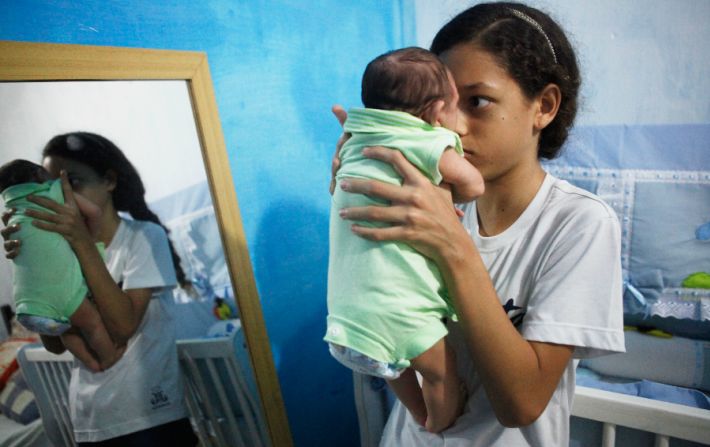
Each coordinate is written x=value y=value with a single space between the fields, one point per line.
x=102 y=155
x=531 y=47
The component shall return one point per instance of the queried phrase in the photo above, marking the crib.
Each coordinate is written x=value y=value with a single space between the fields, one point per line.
x=222 y=404
x=48 y=376
x=221 y=399
x=664 y=421
x=225 y=412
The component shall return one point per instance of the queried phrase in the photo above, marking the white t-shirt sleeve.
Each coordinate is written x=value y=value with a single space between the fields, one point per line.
x=149 y=263
x=577 y=298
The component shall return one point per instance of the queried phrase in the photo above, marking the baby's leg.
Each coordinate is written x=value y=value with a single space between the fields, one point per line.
x=76 y=344
x=441 y=387
x=88 y=321
x=406 y=388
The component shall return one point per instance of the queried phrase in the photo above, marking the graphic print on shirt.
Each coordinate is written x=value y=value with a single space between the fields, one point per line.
x=515 y=313
x=158 y=398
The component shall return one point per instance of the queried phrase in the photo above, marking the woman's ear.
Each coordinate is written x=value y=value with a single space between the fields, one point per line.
x=432 y=113
x=111 y=179
x=549 y=103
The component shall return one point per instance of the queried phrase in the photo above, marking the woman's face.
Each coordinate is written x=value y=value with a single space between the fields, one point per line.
x=83 y=179
x=500 y=137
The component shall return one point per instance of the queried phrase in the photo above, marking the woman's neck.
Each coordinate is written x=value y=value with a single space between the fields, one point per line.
x=506 y=198
x=109 y=225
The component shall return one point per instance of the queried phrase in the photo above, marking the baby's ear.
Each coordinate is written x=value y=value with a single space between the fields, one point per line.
x=41 y=175
x=432 y=114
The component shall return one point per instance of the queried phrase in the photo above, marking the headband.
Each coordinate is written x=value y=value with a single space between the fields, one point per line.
x=526 y=18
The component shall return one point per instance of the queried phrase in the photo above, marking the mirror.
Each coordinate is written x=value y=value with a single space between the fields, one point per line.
x=182 y=79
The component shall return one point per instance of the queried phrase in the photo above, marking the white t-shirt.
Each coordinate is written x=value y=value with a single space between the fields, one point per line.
x=143 y=389
x=557 y=271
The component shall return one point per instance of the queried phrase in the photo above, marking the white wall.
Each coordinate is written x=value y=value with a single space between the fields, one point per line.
x=151 y=121
x=642 y=61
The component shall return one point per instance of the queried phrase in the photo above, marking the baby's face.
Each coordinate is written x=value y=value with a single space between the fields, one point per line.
x=450 y=116
x=41 y=175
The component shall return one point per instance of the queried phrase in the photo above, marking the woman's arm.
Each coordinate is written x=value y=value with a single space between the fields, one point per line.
x=519 y=376
x=121 y=311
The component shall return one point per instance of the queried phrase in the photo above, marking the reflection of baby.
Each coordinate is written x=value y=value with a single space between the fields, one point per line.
x=49 y=289
x=386 y=301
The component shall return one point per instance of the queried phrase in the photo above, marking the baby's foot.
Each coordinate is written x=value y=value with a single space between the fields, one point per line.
x=118 y=353
x=461 y=397
x=93 y=365
x=420 y=419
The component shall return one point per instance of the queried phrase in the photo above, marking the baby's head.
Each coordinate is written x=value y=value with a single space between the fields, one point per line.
x=411 y=80
x=21 y=171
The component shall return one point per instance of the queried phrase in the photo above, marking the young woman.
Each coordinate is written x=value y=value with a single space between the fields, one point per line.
x=533 y=266
x=139 y=400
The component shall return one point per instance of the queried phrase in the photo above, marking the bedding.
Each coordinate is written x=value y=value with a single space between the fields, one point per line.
x=644 y=388
x=8 y=357
x=190 y=217
x=657 y=179
x=14 y=434
x=17 y=401
x=686 y=362
x=20 y=425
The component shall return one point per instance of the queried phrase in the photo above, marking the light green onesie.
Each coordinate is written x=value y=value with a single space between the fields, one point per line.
x=47 y=277
x=385 y=300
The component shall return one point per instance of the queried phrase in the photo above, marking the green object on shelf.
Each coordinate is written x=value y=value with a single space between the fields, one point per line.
x=698 y=280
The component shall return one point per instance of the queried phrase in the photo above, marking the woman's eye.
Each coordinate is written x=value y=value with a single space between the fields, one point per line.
x=478 y=102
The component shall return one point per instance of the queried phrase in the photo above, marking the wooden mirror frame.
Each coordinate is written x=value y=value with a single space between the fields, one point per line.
x=23 y=61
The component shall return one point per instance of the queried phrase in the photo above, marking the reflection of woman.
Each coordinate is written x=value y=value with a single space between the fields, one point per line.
x=546 y=251
x=139 y=400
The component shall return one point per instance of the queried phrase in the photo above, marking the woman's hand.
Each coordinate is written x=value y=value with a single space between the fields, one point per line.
x=421 y=214
x=68 y=219
x=341 y=115
x=12 y=246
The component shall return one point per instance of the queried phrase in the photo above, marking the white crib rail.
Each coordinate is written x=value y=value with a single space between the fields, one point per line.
x=665 y=420
x=48 y=375
x=220 y=421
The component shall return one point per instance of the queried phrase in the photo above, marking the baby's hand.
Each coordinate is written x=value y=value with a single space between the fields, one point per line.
x=465 y=180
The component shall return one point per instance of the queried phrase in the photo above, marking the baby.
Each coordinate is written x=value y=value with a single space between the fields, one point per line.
x=49 y=289
x=387 y=303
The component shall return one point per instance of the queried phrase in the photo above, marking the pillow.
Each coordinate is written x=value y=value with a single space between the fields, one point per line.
x=8 y=357
x=673 y=360
x=17 y=401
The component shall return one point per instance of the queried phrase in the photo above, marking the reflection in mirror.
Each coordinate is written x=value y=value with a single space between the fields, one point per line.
x=159 y=126
x=152 y=123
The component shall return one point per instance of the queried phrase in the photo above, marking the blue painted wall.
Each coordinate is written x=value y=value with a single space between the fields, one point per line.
x=277 y=67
